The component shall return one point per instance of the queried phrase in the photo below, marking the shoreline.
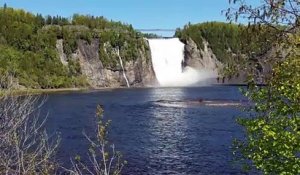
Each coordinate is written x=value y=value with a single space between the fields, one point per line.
x=89 y=89
x=22 y=92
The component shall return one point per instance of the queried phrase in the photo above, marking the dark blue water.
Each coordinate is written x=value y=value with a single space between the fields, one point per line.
x=153 y=139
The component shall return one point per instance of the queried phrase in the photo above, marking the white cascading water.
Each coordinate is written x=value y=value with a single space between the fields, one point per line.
x=123 y=70
x=167 y=58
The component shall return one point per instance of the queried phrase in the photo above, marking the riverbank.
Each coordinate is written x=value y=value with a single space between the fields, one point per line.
x=59 y=90
x=89 y=89
x=42 y=91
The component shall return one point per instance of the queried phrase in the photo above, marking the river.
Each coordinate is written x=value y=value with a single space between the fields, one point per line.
x=153 y=138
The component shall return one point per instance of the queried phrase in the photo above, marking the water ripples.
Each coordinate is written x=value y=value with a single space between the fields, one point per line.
x=153 y=138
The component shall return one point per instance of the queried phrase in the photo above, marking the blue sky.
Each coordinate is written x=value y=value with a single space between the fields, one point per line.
x=142 y=14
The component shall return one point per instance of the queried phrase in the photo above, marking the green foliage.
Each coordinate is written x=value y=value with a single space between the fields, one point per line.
x=272 y=143
x=150 y=35
x=128 y=42
x=236 y=46
x=112 y=35
x=74 y=68
x=70 y=41
x=28 y=46
x=28 y=67
x=223 y=38
x=273 y=135
x=54 y=20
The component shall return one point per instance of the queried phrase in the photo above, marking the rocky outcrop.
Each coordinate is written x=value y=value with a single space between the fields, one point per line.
x=91 y=66
x=260 y=66
x=205 y=59
x=138 y=71
x=201 y=59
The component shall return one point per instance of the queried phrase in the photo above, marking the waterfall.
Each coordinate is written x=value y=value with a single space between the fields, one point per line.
x=167 y=59
x=123 y=70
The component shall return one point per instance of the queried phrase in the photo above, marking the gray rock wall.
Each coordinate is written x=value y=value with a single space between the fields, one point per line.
x=139 y=70
x=205 y=59
x=201 y=59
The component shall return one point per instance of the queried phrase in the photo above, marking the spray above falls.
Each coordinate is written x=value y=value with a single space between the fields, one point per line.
x=167 y=60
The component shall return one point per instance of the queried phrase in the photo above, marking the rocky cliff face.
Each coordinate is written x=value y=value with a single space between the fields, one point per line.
x=201 y=59
x=91 y=66
x=205 y=59
x=138 y=71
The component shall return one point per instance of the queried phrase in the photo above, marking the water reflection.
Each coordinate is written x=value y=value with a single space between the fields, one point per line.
x=168 y=128
x=154 y=139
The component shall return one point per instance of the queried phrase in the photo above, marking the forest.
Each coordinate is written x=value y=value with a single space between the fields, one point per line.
x=231 y=42
x=28 y=46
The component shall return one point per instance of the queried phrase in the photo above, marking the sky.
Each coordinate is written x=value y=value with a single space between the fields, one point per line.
x=142 y=14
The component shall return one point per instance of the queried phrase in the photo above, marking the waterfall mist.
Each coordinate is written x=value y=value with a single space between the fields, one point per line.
x=167 y=60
